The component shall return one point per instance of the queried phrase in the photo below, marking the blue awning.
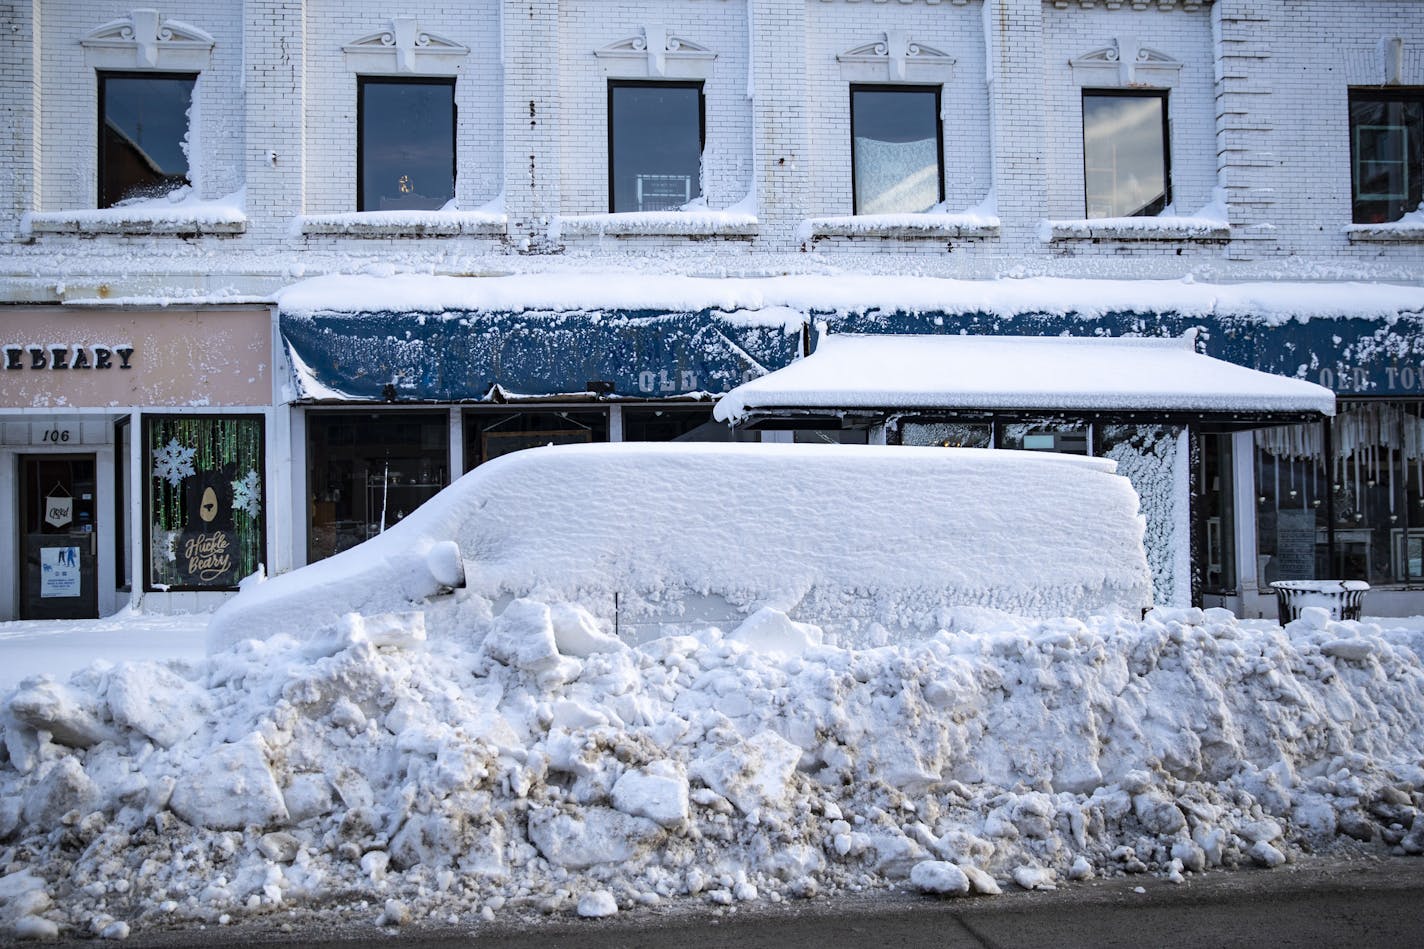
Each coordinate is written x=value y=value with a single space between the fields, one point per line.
x=470 y=355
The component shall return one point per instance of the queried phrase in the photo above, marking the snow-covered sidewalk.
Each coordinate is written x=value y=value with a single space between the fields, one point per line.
x=533 y=763
x=62 y=647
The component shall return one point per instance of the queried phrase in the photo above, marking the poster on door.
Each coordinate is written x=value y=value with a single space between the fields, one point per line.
x=59 y=572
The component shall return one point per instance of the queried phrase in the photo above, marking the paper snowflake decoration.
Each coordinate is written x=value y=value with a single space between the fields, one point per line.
x=247 y=495
x=173 y=462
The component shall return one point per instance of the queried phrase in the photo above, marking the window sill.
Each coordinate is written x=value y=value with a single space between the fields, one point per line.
x=404 y=224
x=901 y=226
x=1192 y=230
x=660 y=224
x=1385 y=233
x=116 y=221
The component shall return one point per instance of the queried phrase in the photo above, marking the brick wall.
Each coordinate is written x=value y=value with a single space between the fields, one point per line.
x=1259 y=109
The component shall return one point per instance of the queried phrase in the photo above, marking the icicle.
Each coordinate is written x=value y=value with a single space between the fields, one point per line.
x=1390 y=458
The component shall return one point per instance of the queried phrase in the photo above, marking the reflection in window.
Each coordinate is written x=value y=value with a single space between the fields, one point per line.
x=489 y=435
x=895 y=149
x=143 y=135
x=678 y=424
x=1387 y=152
x=406 y=156
x=947 y=434
x=1372 y=483
x=1067 y=437
x=1125 y=153
x=1215 y=492
x=655 y=135
x=368 y=470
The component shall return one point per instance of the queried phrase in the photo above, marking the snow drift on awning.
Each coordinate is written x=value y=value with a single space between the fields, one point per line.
x=1018 y=372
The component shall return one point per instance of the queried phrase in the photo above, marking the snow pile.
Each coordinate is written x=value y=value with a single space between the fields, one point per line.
x=536 y=763
x=1260 y=302
x=871 y=543
x=908 y=371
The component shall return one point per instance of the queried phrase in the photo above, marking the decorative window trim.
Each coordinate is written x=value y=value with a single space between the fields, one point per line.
x=142 y=40
x=1141 y=230
x=1394 y=233
x=131 y=223
x=1390 y=62
x=404 y=49
x=656 y=53
x=895 y=57
x=404 y=224
x=932 y=3
x=1188 y=6
x=657 y=224
x=935 y=227
x=1126 y=63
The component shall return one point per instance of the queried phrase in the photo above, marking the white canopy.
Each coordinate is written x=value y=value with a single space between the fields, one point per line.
x=1054 y=373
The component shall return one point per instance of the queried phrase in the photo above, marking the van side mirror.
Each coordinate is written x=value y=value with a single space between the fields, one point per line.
x=446 y=566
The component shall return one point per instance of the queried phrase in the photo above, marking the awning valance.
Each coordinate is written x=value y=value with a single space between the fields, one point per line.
x=465 y=356
x=1072 y=375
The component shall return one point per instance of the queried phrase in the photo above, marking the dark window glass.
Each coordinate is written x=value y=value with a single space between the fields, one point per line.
x=1125 y=170
x=1387 y=152
x=655 y=133
x=895 y=149
x=678 y=423
x=143 y=133
x=491 y=434
x=406 y=156
x=368 y=470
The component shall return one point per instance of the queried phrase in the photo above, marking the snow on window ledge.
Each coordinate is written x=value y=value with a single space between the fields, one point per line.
x=440 y=223
x=178 y=214
x=689 y=223
x=1407 y=230
x=933 y=226
x=1198 y=229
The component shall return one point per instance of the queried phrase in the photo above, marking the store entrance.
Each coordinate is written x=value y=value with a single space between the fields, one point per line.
x=58 y=532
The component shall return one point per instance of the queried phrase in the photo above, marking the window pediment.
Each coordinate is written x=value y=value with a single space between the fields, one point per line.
x=144 y=40
x=895 y=57
x=656 y=52
x=405 y=48
x=1190 y=6
x=1126 y=63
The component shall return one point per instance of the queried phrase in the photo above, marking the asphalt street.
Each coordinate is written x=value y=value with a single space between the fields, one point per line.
x=1359 y=902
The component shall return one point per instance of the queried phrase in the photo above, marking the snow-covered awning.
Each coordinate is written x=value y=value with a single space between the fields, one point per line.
x=893 y=374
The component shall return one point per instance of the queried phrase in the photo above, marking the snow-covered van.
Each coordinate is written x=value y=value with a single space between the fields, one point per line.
x=868 y=543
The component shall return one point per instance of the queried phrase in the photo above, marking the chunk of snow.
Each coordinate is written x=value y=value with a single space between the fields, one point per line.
x=597 y=904
x=937 y=876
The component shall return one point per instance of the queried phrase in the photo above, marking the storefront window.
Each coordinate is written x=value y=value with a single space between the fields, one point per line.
x=1373 y=482
x=1215 y=490
x=491 y=434
x=947 y=434
x=673 y=424
x=205 y=500
x=1068 y=437
x=368 y=470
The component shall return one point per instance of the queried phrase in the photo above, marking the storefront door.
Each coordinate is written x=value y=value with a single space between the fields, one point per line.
x=58 y=533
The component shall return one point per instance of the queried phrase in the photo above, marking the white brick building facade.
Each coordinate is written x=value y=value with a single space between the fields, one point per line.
x=1257 y=96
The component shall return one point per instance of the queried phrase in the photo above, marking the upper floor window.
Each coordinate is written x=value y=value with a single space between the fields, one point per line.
x=143 y=134
x=1126 y=170
x=655 y=135
x=405 y=158
x=896 y=156
x=1386 y=153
